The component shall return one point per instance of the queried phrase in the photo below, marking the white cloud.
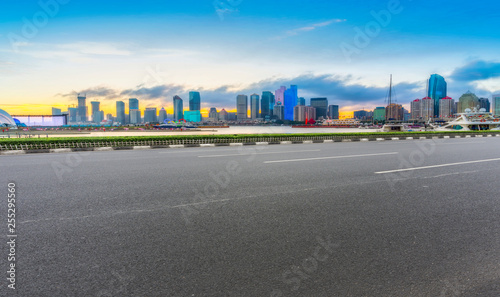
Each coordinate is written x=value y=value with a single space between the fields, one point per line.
x=309 y=28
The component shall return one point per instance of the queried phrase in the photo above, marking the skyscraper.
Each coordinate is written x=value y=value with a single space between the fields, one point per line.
x=321 y=105
x=242 y=107
x=95 y=110
x=301 y=101
x=333 y=112
x=162 y=116
x=120 y=112
x=279 y=111
x=280 y=96
x=194 y=101
x=446 y=107
x=178 y=108
x=495 y=99
x=82 y=109
x=427 y=108
x=290 y=102
x=254 y=106
x=484 y=103
x=73 y=113
x=267 y=104
x=133 y=103
x=436 y=91
x=304 y=113
x=416 y=106
x=135 y=116
x=150 y=115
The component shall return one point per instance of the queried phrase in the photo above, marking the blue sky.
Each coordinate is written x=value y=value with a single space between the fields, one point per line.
x=157 y=49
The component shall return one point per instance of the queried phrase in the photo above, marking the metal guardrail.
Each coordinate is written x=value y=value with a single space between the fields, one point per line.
x=271 y=139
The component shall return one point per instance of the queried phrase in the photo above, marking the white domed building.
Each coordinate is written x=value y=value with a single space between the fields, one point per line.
x=6 y=120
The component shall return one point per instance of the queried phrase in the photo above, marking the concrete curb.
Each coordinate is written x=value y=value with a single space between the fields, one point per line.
x=148 y=147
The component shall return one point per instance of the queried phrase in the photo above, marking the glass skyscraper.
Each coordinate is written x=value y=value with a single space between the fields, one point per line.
x=120 y=112
x=495 y=99
x=194 y=101
x=333 y=112
x=82 y=108
x=436 y=91
x=321 y=105
x=254 y=106
x=267 y=104
x=242 y=107
x=178 y=108
x=290 y=102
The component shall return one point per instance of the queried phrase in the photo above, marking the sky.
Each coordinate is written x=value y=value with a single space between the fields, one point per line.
x=152 y=50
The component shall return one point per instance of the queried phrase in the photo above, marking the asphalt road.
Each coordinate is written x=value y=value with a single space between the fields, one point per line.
x=280 y=220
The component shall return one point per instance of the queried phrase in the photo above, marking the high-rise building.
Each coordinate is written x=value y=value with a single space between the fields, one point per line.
x=436 y=91
x=360 y=114
x=484 y=103
x=56 y=111
x=192 y=116
x=394 y=112
x=333 y=112
x=301 y=101
x=223 y=115
x=242 y=107
x=254 y=106
x=178 y=108
x=73 y=114
x=304 y=113
x=321 y=105
x=150 y=115
x=280 y=96
x=379 y=114
x=291 y=99
x=120 y=112
x=213 y=115
x=133 y=103
x=82 y=109
x=267 y=104
x=95 y=105
x=162 y=115
x=279 y=111
x=416 y=109
x=427 y=108
x=446 y=107
x=495 y=99
x=194 y=101
x=135 y=116
x=98 y=116
x=467 y=101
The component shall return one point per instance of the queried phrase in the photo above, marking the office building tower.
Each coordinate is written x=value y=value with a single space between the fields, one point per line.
x=120 y=112
x=56 y=111
x=194 y=101
x=427 y=108
x=178 y=108
x=321 y=105
x=192 y=116
x=495 y=99
x=333 y=112
x=379 y=114
x=254 y=106
x=98 y=116
x=415 y=107
x=467 y=101
x=135 y=116
x=133 y=103
x=304 y=113
x=291 y=99
x=95 y=105
x=242 y=107
x=301 y=101
x=232 y=116
x=82 y=109
x=267 y=104
x=484 y=103
x=394 y=112
x=360 y=114
x=446 y=107
x=280 y=96
x=279 y=111
x=223 y=115
x=73 y=113
x=213 y=115
x=150 y=115
x=162 y=115
x=436 y=90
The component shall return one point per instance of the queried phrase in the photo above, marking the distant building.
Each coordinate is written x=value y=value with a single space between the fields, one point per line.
x=178 y=108
x=427 y=109
x=194 y=101
x=437 y=90
x=415 y=109
x=446 y=107
x=231 y=116
x=301 y=101
x=120 y=112
x=72 y=114
x=223 y=115
x=467 y=100
x=290 y=101
x=242 y=107
x=192 y=116
x=321 y=105
x=162 y=115
x=379 y=114
x=96 y=107
x=484 y=103
x=495 y=99
x=279 y=111
x=254 y=106
x=267 y=104
x=150 y=115
x=333 y=112
x=34 y=120
x=280 y=96
x=394 y=112
x=304 y=113
x=360 y=114
x=56 y=111
x=98 y=116
x=82 y=108
x=213 y=115
x=135 y=116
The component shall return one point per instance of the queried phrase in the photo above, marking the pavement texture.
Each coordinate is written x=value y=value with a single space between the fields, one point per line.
x=387 y=218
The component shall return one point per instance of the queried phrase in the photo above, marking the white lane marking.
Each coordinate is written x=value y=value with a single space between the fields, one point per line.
x=436 y=166
x=250 y=153
x=325 y=158
x=199 y=151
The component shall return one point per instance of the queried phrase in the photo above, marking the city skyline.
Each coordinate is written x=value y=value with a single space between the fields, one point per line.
x=153 y=51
